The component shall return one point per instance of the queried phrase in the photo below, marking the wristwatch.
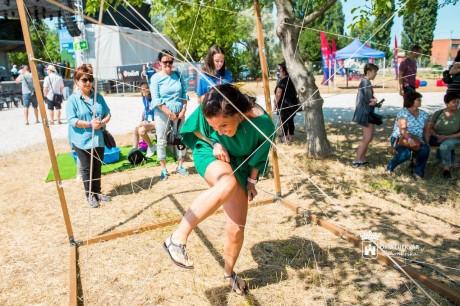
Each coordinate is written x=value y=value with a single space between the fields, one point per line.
x=252 y=181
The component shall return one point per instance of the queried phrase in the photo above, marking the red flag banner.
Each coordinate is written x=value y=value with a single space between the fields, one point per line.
x=395 y=58
x=326 y=56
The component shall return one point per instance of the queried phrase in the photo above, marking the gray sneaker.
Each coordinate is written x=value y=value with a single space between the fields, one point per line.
x=104 y=198
x=93 y=201
x=182 y=171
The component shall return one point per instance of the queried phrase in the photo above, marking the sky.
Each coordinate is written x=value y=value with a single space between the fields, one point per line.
x=448 y=20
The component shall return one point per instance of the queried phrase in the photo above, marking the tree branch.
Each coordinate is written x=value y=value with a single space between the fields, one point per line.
x=319 y=12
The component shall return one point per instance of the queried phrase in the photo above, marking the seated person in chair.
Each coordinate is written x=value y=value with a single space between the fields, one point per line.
x=444 y=130
x=147 y=124
x=410 y=121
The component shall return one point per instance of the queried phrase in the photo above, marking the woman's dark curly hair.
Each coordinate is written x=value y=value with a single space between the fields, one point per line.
x=214 y=103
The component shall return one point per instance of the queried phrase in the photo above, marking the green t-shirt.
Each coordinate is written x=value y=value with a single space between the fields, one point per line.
x=444 y=125
x=246 y=142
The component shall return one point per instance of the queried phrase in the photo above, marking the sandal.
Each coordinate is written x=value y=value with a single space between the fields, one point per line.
x=177 y=253
x=359 y=164
x=236 y=286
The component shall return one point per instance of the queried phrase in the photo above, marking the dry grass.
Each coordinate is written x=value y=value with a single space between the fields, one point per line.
x=284 y=260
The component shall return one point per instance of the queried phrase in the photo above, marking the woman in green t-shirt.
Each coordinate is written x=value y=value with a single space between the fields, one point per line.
x=230 y=136
x=444 y=131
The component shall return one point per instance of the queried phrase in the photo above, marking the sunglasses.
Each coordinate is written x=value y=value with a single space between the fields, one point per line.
x=167 y=62
x=85 y=80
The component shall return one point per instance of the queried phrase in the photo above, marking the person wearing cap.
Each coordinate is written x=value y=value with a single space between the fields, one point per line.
x=14 y=72
x=53 y=88
x=286 y=103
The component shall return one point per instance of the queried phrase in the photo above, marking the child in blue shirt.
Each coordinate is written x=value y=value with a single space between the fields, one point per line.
x=213 y=71
x=147 y=124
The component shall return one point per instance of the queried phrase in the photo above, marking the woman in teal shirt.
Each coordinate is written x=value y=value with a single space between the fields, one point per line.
x=81 y=106
x=169 y=99
x=230 y=148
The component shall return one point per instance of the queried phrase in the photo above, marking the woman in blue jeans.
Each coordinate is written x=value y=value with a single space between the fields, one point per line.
x=411 y=121
x=169 y=99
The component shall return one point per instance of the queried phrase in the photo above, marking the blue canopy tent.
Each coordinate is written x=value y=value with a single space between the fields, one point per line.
x=356 y=49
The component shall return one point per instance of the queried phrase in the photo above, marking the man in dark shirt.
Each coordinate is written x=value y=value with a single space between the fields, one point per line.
x=408 y=71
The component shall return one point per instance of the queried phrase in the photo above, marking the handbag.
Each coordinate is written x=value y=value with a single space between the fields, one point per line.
x=173 y=137
x=403 y=142
x=374 y=118
x=109 y=140
x=57 y=99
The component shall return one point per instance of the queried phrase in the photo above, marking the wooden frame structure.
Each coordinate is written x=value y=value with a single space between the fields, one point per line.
x=447 y=292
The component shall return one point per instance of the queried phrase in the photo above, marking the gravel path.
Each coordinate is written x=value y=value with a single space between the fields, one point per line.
x=126 y=112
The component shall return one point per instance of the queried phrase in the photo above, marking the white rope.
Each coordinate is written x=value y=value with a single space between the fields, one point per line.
x=267 y=139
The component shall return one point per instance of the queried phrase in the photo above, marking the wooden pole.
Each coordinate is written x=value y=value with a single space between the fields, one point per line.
x=46 y=129
x=138 y=230
x=268 y=104
x=434 y=285
x=73 y=295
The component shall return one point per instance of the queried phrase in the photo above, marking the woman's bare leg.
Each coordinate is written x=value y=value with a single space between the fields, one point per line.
x=236 y=210
x=143 y=132
x=136 y=137
x=368 y=134
x=223 y=187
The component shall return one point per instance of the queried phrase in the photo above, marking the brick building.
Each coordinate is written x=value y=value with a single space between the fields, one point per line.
x=444 y=50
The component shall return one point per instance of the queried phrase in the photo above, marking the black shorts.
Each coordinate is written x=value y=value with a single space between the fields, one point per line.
x=52 y=105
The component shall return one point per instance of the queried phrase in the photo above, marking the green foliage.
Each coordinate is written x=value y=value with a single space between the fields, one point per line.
x=195 y=27
x=332 y=22
x=363 y=32
x=45 y=44
x=379 y=29
x=419 y=27
x=382 y=30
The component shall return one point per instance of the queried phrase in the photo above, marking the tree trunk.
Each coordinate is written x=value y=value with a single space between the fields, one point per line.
x=317 y=144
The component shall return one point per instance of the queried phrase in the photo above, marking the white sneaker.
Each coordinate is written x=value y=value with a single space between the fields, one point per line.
x=151 y=151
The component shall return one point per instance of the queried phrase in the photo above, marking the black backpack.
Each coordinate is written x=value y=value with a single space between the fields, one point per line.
x=136 y=157
x=446 y=77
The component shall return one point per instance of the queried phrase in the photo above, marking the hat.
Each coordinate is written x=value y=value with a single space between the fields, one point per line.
x=51 y=67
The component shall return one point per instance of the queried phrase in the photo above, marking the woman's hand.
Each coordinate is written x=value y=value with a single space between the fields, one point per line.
x=441 y=138
x=252 y=192
x=220 y=153
x=172 y=116
x=373 y=102
x=181 y=114
x=96 y=123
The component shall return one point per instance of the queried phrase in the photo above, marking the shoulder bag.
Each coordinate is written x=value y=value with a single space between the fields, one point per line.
x=374 y=118
x=57 y=98
x=32 y=91
x=173 y=137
